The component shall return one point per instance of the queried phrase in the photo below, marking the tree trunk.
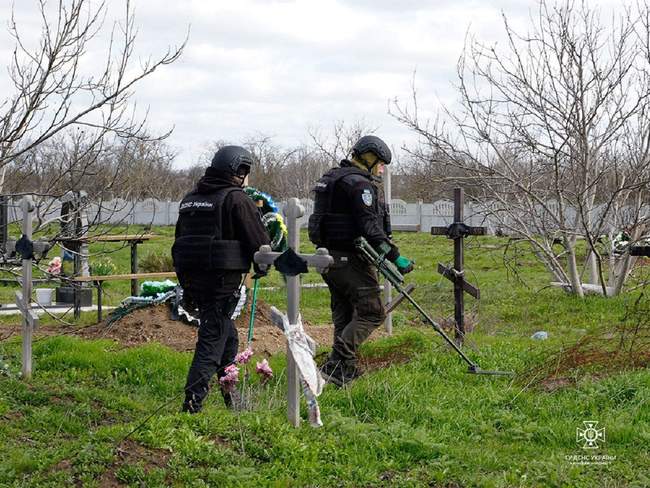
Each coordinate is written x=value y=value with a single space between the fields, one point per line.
x=572 y=267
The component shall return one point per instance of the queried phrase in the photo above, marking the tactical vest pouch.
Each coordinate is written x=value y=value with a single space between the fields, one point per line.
x=326 y=228
x=229 y=255
x=191 y=253
x=314 y=229
x=340 y=227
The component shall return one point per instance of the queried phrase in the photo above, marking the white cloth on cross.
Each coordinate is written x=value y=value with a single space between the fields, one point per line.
x=300 y=345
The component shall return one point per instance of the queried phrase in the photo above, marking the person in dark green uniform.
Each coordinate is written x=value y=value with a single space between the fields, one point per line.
x=347 y=205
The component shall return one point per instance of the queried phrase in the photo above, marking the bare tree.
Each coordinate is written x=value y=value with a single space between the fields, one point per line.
x=286 y=172
x=338 y=145
x=52 y=93
x=553 y=133
x=68 y=131
x=282 y=172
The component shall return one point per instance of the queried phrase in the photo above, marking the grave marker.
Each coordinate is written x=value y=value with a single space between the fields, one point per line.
x=457 y=231
x=265 y=257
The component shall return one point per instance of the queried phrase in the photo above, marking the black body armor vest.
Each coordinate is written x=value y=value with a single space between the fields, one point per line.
x=199 y=244
x=332 y=223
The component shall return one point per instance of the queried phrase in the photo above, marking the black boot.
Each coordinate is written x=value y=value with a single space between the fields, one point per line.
x=191 y=405
x=331 y=372
x=340 y=373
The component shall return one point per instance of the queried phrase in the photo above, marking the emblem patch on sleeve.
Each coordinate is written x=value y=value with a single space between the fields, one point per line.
x=366 y=196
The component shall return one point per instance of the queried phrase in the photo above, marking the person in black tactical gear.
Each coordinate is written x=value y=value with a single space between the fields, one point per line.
x=218 y=231
x=348 y=205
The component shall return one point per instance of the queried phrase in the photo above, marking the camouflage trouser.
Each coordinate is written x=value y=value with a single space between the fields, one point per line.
x=356 y=304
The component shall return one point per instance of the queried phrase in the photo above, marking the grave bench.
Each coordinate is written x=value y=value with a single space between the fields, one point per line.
x=132 y=240
x=98 y=282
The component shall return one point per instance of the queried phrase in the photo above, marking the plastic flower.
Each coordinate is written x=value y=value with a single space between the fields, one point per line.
x=264 y=370
x=244 y=356
x=266 y=201
x=230 y=379
x=54 y=266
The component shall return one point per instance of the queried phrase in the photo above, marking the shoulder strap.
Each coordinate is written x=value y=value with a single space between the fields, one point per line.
x=340 y=174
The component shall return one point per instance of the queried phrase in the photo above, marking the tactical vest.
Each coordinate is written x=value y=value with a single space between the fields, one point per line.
x=199 y=245
x=326 y=226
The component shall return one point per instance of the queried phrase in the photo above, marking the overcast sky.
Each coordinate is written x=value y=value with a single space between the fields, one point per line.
x=279 y=67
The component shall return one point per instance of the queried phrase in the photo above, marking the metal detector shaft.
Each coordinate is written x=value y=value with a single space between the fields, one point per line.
x=251 y=322
x=390 y=272
x=435 y=325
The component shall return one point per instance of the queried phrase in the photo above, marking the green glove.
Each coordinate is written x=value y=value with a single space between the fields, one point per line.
x=404 y=265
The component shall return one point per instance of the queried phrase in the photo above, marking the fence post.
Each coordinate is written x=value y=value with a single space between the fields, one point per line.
x=388 y=292
x=4 y=221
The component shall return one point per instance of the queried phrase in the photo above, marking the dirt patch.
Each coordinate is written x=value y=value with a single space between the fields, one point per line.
x=12 y=416
x=373 y=363
x=399 y=354
x=153 y=324
x=131 y=453
x=550 y=385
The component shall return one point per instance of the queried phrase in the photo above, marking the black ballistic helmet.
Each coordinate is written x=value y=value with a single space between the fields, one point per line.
x=374 y=145
x=232 y=160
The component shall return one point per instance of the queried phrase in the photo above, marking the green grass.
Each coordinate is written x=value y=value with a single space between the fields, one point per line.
x=423 y=423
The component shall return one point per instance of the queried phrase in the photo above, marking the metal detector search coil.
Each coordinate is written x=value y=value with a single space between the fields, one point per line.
x=392 y=274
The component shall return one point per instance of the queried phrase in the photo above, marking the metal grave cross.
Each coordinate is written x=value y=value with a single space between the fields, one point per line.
x=457 y=231
x=265 y=257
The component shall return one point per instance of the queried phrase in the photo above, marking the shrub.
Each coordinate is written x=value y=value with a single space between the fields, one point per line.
x=156 y=262
x=103 y=267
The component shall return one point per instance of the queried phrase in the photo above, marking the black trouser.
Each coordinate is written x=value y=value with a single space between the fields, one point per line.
x=357 y=308
x=217 y=342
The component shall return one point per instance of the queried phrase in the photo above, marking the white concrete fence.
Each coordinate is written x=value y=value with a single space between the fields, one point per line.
x=405 y=216
x=418 y=216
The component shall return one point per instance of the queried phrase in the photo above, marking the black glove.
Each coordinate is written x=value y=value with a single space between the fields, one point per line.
x=258 y=272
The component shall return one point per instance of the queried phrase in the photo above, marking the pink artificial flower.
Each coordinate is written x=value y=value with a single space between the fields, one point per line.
x=264 y=370
x=244 y=356
x=54 y=266
x=230 y=379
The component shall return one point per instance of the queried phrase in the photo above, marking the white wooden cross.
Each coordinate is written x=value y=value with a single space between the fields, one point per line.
x=265 y=257
x=24 y=297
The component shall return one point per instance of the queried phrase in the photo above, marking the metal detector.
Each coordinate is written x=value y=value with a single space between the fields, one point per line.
x=392 y=274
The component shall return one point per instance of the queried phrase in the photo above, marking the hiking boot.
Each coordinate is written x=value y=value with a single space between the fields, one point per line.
x=351 y=373
x=339 y=373
x=191 y=406
x=329 y=370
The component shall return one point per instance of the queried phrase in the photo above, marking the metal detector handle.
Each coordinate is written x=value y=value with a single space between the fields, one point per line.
x=369 y=254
